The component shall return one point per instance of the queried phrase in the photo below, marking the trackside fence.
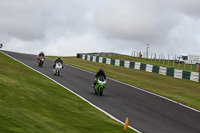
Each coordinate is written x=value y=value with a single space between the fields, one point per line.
x=176 y=73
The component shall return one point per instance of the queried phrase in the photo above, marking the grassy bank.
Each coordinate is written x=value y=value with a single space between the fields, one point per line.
x=183 y=91
x=30 y=102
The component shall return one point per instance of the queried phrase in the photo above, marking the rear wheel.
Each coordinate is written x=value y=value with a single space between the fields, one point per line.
x=95 y=91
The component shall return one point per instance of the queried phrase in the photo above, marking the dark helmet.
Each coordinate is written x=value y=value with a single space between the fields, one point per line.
x=101 y=70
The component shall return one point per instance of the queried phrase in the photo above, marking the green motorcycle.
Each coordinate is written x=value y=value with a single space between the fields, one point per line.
x=100 y=85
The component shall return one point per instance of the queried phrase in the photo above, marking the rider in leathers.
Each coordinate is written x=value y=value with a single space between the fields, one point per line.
x=41 y=54
x=57 y=61
x=98 y=74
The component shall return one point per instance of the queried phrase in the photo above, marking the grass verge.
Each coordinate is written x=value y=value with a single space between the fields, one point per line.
x=183 y=91
x=30 y=102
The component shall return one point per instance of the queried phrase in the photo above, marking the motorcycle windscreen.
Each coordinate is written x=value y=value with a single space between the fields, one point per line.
x=101 y=78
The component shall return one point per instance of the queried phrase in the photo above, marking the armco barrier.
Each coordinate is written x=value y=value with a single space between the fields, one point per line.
x=137 y=65
x=104 y=60
x=163 y=70
x=91 y=58
x=155 y=69
x=178 y=73
x=170 y=72
x=97 y=59
x=117 y=62
x=127 y=64
x=108 y=61
x=121 y=63
x=132 y=65
x=112 y=61
x=186 y=75
x=199 y=77
x=193 y=76
x=149 y=68
x=142 y=66
x=94 y=58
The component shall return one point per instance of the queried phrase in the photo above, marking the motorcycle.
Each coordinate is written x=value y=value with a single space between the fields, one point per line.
x=40 y=61
x=100 y=85
x=57 y=68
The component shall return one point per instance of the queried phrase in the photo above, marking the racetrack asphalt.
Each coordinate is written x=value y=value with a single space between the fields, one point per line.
x=146 y=112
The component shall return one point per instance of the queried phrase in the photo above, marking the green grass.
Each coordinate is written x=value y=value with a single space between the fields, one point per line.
x=183 y=91
x=30 y=102
x=186 y=67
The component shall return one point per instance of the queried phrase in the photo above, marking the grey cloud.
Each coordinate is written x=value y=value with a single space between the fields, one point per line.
x=102 y=25
x=22 y=19
x=32 y=20
x=189 y=7
x=135 y=20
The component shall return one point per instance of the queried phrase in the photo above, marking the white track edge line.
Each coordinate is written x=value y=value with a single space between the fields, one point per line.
x=112 y=117
x=142 y=90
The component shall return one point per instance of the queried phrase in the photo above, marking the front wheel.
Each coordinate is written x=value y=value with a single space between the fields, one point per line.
x=58 y=73
x=101 y=92
x=40 y=64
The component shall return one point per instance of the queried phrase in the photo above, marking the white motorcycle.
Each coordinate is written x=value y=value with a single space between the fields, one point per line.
x=57 y=69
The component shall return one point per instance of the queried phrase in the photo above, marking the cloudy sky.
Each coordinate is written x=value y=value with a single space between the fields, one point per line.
x=67 y=27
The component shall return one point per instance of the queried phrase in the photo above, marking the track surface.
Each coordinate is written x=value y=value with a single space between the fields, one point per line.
x=146 y=112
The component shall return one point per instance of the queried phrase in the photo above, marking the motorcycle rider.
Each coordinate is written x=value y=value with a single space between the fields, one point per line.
x=98 y=74
x=41 y=54
x=57 y=61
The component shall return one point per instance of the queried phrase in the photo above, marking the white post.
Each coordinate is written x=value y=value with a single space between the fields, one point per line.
x=159 y=59
x=147 y=51
x=168 y=59
x=132 y=53
x=164 y=59
x=174 y=60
